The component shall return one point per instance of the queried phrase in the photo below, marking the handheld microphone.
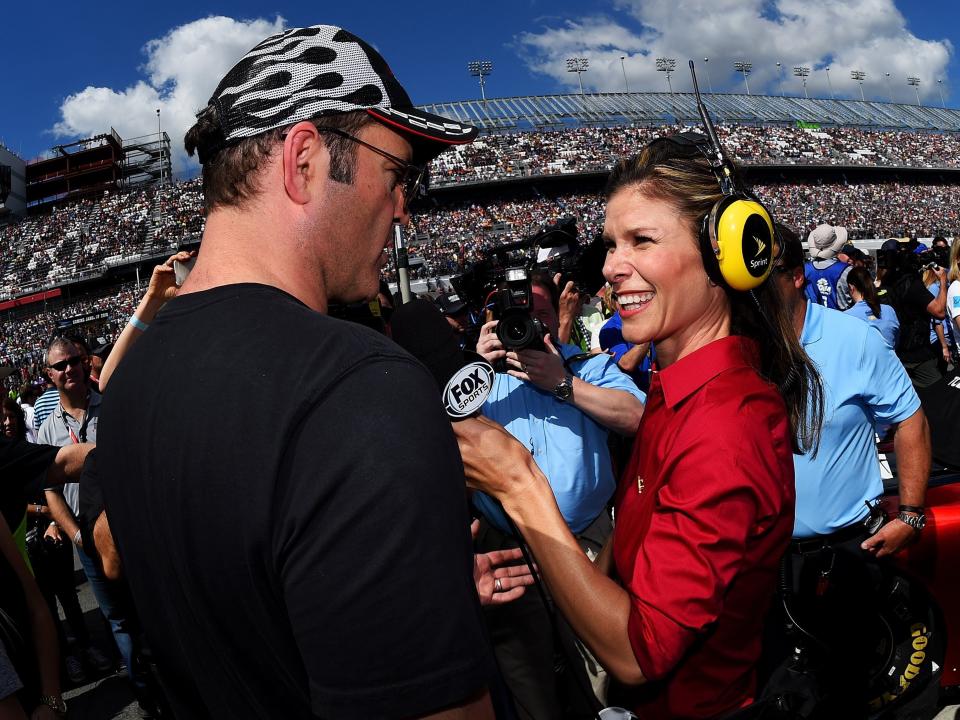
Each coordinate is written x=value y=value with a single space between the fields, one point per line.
x=464 y=378
x=402 y=262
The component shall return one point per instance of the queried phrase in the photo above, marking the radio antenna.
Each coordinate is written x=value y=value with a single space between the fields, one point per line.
x=720 y=164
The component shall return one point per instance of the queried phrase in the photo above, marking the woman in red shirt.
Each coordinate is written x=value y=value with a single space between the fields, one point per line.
x=674 y=605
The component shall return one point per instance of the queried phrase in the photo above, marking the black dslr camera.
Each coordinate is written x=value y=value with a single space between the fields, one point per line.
x=512 y=304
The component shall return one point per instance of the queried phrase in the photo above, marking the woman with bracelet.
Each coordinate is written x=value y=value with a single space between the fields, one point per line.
x=163 y=287
x=674 y=606
x=34 y=684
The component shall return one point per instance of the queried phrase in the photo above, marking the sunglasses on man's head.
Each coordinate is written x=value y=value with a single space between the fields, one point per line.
x=64 y=364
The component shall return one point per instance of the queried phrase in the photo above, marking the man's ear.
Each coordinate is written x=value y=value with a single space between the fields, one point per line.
x=798 y=277
x=305 y=162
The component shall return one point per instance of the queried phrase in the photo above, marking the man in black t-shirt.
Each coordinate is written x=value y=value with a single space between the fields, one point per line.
x=288 y=557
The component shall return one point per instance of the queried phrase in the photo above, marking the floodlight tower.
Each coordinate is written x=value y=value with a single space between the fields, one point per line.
x=829 y=84
x=626 y=85
x=859 y=76
x=480 y=69
x=666 y=65
x=578 y=65
x=706 y=66
x=802 y=73
x=160 y=145
x=889 y=88
x=940 y=89
x=915 y=81
x=780 y=75
x=745 y=68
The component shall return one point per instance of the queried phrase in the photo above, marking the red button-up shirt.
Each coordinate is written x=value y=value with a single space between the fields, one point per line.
x=704 y=512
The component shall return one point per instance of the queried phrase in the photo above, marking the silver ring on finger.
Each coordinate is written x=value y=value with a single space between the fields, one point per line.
x=497 y=585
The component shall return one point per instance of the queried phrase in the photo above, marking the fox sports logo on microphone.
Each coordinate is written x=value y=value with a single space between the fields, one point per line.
x=468 y=389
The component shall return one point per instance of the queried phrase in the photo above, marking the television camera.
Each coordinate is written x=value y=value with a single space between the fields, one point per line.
x=501 y=282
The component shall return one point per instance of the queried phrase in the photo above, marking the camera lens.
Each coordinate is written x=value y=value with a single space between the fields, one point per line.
x=516 y=330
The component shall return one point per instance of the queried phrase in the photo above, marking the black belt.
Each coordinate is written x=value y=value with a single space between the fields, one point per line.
x=818 y=543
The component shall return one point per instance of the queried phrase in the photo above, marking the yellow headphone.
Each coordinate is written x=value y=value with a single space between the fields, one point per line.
x=738 y=233
x=737 y=238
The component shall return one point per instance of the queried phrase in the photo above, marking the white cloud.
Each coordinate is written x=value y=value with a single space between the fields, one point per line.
x=868 y=35
x=182 y=69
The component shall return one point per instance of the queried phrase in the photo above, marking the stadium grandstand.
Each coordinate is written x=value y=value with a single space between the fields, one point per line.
x=881 y=169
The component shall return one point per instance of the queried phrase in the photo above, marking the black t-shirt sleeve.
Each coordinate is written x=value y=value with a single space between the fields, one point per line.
x=918 y=297
x=373 y=549
x=91 y=503
x=25 y=465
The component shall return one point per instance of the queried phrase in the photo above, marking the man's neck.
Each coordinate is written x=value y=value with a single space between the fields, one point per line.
x=799 y=315
x=233 y=251
x=75 y=402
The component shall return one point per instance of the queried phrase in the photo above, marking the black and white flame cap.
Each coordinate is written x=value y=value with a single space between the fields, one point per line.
x=307 y=73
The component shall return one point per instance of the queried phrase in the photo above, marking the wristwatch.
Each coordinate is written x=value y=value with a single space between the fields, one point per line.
x=54 y=702
x=918 y=522
x=564 y=389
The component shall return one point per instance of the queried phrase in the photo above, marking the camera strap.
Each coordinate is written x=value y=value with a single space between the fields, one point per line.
x=579 y=357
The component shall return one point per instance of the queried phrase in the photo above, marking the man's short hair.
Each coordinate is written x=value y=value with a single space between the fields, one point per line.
x=232 y=175
x=61 y=343
x=792 y=255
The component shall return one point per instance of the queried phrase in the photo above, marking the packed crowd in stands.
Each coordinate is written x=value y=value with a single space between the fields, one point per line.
x=593 y=149
x=86 y=236
x=25 y=334
x=451 y=237
x=83 y=236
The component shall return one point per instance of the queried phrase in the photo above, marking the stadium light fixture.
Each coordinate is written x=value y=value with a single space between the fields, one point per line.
x=915 y=82
x=889 y=88
x=160 y=146
x=940 y=89
x=578 y=65
x=780 y=76
x=667 y=65
x=859 y=75
x=829 y=84
x=706 y=65
x=480 y=69
x=744 y=68
x=802 y=73
x=626 y=86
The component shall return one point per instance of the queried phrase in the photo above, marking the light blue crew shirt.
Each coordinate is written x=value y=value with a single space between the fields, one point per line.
x=864 y=385
x=569 y=446
x=888 y=324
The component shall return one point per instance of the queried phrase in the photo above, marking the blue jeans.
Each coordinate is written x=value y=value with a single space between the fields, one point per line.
x=117 y=608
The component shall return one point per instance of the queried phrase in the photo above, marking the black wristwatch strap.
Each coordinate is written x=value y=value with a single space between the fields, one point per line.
x=912 y=508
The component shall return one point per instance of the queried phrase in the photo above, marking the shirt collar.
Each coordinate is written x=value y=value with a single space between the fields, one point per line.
x=689 y=374
x=812 y=325
x=93 y=400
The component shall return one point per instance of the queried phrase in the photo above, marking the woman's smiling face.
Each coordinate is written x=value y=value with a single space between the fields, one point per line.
x=656 y=270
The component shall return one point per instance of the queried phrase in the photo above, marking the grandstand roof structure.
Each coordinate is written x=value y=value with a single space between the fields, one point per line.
x=545 y=112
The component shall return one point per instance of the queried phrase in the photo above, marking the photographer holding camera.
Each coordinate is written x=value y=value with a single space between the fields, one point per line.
x=915 y=307
x=561 y=404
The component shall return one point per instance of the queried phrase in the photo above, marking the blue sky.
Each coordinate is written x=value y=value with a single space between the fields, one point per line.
x=74 y=71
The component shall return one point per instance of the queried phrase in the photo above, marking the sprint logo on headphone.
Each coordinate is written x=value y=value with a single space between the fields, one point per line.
x=754 y=247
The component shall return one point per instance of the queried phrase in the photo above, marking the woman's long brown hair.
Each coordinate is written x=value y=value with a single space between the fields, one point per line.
x=682 y=177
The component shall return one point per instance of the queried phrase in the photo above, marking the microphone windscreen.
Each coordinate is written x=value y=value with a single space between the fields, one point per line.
x=464 y=379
